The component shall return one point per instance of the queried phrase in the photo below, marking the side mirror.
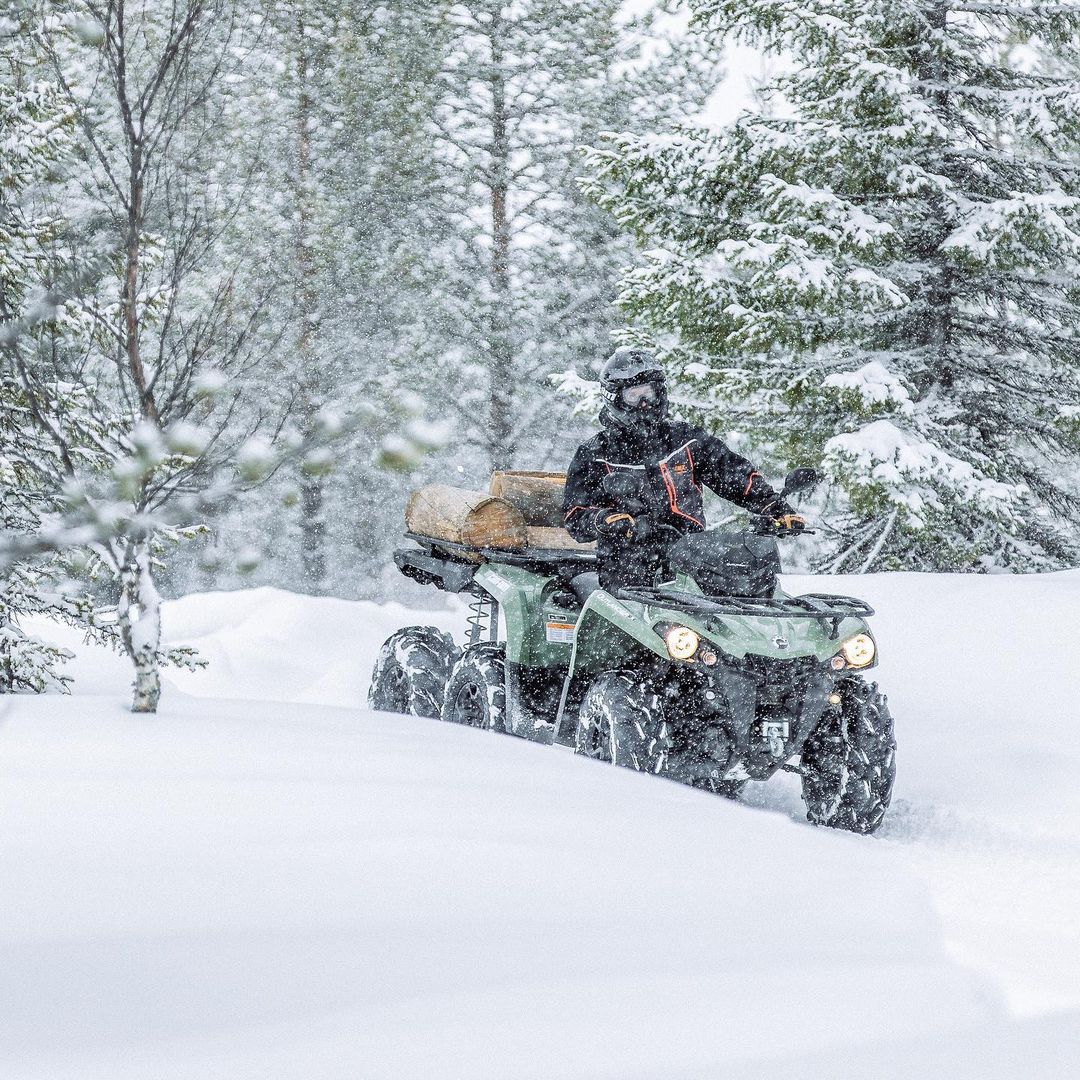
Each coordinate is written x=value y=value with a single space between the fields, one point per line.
x=800 y=479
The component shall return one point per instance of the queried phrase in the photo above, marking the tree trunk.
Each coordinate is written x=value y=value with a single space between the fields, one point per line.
x=139 y=620
x=313 y=533
x=130 y=298
x=134 y=137
x=312 y=493
x=940 y=289
x=138 y=612
x=7 y=668
x=501 y=436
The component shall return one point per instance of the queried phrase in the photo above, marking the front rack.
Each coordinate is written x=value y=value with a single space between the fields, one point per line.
x=830 y=610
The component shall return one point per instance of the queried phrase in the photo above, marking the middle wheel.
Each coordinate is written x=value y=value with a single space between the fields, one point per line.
x=476 y=690
x=622 y=720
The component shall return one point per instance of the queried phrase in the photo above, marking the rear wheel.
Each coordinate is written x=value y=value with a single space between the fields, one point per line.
x=411 y=671
x=476 y=691
x=849 y=761
x=622 y=720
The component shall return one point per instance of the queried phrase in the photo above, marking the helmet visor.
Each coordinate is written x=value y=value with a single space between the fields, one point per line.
x=636 y=397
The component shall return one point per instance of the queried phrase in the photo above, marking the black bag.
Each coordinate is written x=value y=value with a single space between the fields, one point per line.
x=726 y=563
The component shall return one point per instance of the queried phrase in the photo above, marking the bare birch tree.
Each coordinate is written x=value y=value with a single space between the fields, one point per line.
x=172 y=341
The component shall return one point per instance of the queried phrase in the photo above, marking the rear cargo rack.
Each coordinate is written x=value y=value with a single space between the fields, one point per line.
x=830 y=610
x=451 y=565
x=516 y=556
x=431 y=568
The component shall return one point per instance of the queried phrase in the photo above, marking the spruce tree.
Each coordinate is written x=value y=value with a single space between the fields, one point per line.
x=35 y=132
x=878 y=273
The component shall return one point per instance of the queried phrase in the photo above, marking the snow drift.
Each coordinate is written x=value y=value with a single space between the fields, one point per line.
x=269 y=881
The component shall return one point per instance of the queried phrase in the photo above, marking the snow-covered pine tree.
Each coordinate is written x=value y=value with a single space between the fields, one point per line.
x=35 y=132
x=167 y=328
x=880 y=272
x=47 y=430
x=360 y=170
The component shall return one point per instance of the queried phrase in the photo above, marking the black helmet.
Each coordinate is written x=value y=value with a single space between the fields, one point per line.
x=627 y=369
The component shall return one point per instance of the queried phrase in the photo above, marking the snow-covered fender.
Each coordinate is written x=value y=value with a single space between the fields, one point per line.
x=521 y=596
x=612 y=633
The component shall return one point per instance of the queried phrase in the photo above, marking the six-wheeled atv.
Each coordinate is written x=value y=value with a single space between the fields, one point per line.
x=712 y=677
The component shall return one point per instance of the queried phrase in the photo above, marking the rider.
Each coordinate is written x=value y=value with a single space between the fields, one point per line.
x=656 y=468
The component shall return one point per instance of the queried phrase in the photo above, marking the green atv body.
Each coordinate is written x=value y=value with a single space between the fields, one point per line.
x=773 y=681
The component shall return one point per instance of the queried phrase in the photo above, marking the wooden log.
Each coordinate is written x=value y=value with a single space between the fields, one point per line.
x=473 y=518
x=554 y=539
x=538 y=495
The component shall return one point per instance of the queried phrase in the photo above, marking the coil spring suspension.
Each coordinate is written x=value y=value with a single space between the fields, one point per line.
x=483 y=618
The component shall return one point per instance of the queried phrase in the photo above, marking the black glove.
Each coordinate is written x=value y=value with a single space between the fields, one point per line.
x=619 y=525
x=791 y=522
x=783 y=517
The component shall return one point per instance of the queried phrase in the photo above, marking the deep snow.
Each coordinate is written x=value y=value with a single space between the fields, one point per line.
x=269 y=881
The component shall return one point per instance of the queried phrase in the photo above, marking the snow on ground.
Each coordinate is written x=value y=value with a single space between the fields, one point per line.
x=268 y=881
x=982 y=676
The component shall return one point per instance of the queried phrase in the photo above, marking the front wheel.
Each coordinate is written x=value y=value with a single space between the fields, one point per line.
x=849 y=761
x=411 y=671
x=622 y=720
x=476 y=690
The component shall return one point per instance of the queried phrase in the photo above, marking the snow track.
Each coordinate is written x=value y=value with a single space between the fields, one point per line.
x=261 y=883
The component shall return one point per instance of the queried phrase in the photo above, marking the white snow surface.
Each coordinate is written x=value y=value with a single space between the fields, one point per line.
x=269 y=881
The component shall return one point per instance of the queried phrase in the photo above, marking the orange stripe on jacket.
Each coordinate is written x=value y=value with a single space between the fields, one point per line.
x=672 y=498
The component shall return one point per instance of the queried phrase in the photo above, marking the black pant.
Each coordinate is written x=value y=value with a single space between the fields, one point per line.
x=627 y=563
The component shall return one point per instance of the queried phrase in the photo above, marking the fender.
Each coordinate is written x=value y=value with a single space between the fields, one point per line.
x=603 y=629
x=610 y=633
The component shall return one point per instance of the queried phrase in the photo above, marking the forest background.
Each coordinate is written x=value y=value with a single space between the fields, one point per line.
x=265 y=267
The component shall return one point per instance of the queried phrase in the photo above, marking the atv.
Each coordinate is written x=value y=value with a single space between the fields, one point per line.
x=711 y=675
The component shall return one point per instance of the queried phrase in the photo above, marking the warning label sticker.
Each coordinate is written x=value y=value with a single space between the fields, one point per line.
x=559 y=632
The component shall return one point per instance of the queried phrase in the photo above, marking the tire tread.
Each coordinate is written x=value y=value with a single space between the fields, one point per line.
x=849 y=762
x=425 y=655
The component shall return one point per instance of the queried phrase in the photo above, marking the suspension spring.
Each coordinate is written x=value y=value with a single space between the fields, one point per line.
x=483 y=618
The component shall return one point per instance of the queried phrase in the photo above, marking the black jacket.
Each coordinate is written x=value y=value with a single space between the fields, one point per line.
x=672 y=463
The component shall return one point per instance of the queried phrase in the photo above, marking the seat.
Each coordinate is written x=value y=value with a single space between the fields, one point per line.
x=584 y=585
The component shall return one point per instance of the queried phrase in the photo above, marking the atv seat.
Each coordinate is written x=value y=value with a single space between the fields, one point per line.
x=584 y=585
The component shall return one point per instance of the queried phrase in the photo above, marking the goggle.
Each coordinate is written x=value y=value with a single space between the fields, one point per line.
x=645 y=394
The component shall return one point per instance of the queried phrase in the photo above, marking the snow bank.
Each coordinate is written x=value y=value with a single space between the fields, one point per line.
x=263 y=645
x=258 y=884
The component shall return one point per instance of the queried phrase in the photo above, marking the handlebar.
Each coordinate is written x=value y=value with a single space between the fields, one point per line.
x=767 y=527
x=762 y=526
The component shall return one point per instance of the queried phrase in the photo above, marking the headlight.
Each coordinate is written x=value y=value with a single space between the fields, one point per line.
x=682 y=642
x=859 y=650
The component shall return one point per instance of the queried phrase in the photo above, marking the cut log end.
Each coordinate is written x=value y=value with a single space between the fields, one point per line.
x=473 y=518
